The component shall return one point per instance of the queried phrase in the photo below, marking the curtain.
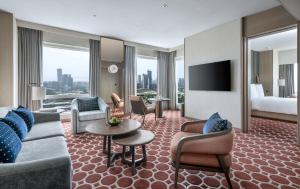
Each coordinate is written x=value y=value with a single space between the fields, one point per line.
x=30 y=57
x=129 y=76
x=286 y=72
x=254 y=66
x=166 y=77
x=95 y=68
x=172 y=80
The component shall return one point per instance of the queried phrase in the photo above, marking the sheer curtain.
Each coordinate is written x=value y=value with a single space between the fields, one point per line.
x=130 y=58
x=30 y=57
x=95 y=68
x=286 y=72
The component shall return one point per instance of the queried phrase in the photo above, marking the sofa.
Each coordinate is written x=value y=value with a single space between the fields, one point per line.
x=80 y=119
x=44 y=160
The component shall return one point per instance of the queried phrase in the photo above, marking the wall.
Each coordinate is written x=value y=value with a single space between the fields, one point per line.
x=266 y=71
x=7 y=58
x=275 y=73
x=220 y=43
x=287 y=56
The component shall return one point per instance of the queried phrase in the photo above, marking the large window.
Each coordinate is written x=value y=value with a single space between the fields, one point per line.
x=146 y=77
x=179 y=62
x=65 y=75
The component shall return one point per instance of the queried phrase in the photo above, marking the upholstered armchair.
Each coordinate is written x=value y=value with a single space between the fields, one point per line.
x=190 y=149
x=117 y=101
x=80 y=119
x=139 y=107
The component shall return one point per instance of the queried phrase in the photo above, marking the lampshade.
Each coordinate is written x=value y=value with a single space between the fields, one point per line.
x=281 y=82
x=38 y=93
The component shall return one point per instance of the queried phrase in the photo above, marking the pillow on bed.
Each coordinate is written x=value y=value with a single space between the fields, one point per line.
x=260 y=90
x=253 y=91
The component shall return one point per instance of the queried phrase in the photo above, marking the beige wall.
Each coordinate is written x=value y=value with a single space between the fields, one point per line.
x=220 y=43
x=7 y=58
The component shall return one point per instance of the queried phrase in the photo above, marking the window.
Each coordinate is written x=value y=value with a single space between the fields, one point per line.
x=179 y=63
x=146 y=81
x=65 y=75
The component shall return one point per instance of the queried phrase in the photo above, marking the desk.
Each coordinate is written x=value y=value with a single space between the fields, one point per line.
x=159 y=105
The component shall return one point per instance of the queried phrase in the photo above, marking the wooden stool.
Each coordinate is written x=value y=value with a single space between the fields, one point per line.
x=138 y=138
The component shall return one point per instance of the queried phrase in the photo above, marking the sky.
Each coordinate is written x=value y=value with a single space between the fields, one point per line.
x=71 y=62
x=76 y=63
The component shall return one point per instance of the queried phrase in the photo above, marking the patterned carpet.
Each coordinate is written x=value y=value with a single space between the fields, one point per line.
x=266 y=157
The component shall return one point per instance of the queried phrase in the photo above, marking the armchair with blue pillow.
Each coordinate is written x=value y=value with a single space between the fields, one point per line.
x=203 y=145
x=87 y=110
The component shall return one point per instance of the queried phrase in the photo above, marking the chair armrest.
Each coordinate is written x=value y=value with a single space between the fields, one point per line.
x=193 y=126
x=37 y=174
x=218 y=143
x=41 y=117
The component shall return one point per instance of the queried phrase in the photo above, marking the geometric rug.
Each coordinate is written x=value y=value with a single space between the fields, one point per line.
x=266 y=157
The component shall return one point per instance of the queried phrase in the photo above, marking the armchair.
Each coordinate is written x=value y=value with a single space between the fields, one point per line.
x=139 y=107
x=190 y=149
x=81 y=119
x=117 y=101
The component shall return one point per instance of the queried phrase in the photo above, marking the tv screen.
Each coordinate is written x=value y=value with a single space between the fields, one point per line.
x=210 y=77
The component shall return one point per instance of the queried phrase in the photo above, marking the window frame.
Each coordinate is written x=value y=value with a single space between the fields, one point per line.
x=176 y=84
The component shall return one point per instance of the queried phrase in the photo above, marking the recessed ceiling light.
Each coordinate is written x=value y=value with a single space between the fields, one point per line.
x=165 y=5
x=94 y=15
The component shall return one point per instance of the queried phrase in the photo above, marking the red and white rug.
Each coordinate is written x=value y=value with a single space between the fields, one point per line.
x=266 y=157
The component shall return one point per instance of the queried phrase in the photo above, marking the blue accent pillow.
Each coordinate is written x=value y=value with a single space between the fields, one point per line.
x=10 y=144
x=215 y=124
x=87 y=104
x=26 y=115
x=16 y=123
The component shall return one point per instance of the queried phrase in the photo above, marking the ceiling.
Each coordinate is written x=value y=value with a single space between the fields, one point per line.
x=280 y=41
x=142 y=21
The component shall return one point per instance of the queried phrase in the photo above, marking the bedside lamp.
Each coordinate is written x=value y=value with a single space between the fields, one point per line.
x=38 y=93
x=281 y=82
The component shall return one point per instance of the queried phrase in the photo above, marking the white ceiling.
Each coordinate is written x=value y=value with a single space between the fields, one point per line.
x=142 y=21
x=280 y=41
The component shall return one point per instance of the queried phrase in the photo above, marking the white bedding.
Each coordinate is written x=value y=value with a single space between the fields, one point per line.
x=275 y=104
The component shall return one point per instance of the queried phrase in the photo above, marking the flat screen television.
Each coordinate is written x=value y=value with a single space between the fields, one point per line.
x=213 y=76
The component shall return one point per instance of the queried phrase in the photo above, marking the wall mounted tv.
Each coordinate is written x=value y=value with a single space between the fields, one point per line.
x=213 y=76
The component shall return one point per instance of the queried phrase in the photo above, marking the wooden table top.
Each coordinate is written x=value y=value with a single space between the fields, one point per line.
x=159 y=99
x=100 y=127
x=138 y=137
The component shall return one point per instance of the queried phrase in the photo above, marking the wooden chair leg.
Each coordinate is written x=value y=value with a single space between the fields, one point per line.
x=225 y=170
x=130 y=115
x=176 y=176
x=155 y=115
x=144 y=119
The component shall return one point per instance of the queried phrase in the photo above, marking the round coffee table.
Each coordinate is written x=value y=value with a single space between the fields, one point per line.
x=100 y=127
x=139 y=137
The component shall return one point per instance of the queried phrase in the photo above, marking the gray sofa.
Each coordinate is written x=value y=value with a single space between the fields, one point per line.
x=81 y=119
x=44 y=160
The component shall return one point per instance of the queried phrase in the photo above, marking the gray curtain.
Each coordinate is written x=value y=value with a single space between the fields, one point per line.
x=30 y=57
x=129 y=76
x=286 y=72
x=254 y=66
x=172 y=80
x=166 y=77
x=95 y=68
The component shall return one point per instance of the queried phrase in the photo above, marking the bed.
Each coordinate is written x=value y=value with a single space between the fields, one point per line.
x=272 y=107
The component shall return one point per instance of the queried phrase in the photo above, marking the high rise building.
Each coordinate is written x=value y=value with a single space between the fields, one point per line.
x=59 y=75
x=149 y=73
x=145 y=81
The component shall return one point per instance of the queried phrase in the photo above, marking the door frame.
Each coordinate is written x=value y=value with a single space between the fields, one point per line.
x=246 y=111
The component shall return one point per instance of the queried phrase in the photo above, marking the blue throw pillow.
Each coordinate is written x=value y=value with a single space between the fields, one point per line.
x=215 y=124
x=16 y=123
x=87 y=104
x=26 y=115
x=10 y=144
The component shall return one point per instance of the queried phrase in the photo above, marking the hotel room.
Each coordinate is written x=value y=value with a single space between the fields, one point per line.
x=149 y=94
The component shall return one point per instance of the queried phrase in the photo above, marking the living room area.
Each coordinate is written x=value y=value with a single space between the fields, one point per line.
x=104 y=94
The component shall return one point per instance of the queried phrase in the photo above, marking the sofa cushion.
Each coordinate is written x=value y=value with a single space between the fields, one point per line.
x=27 y=116
x=10 y=144
x=16 y=123
x=45 y=130
x=87 y=104
x=46 y=148
x=215 y=124
x=91 y=115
